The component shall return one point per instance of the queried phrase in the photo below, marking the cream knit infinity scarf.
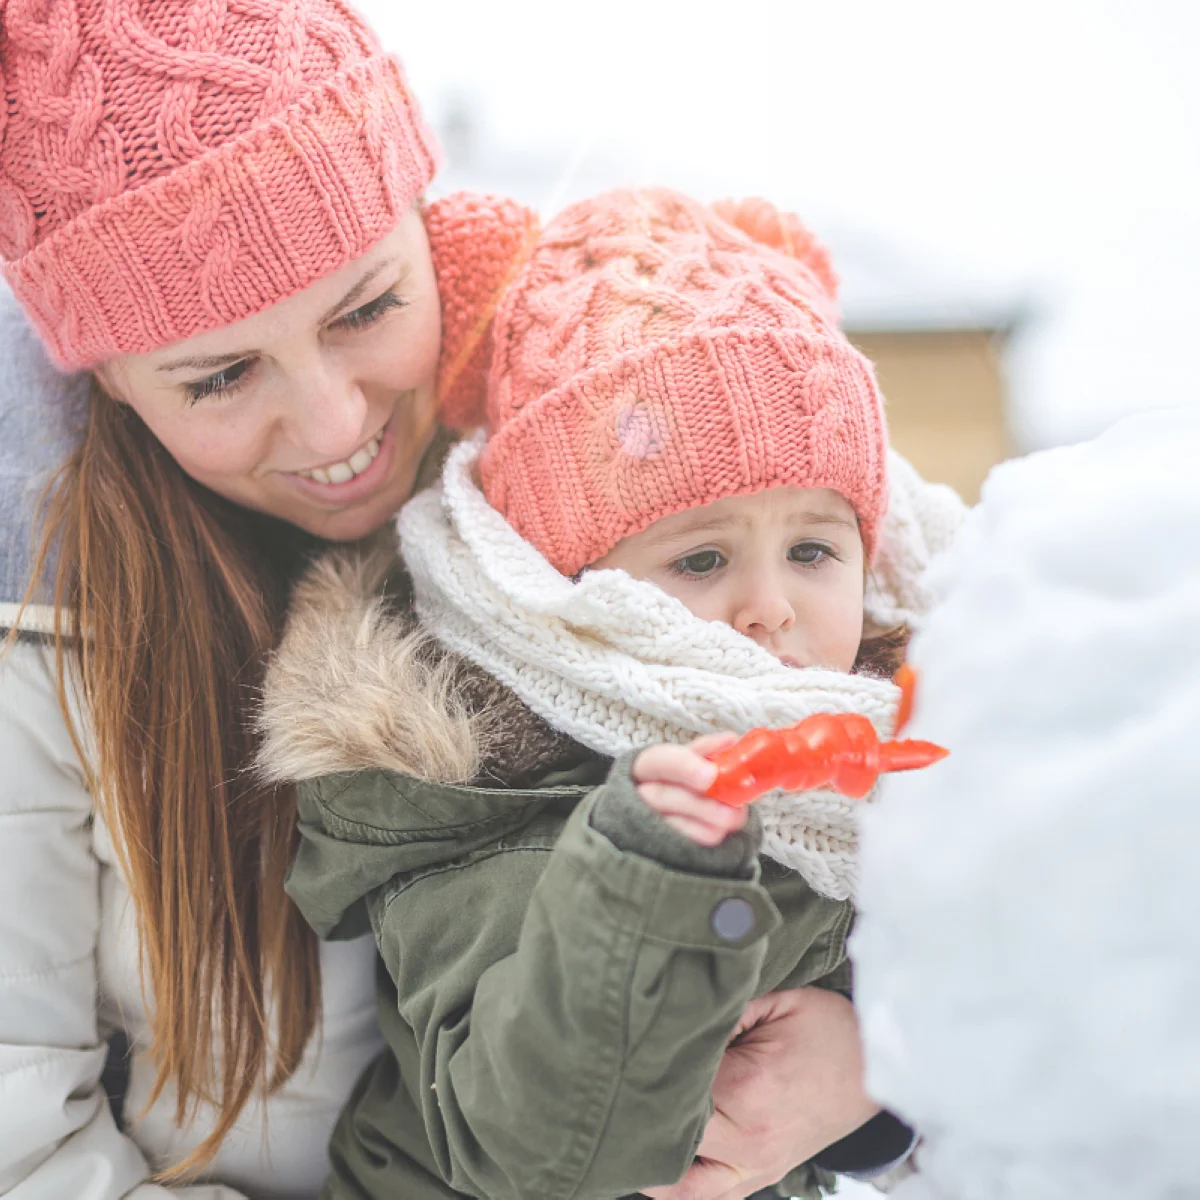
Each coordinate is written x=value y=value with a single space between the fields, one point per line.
x=616 y=663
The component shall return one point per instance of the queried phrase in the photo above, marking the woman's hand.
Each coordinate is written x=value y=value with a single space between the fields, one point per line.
x=672 y=780
x=790 y=1084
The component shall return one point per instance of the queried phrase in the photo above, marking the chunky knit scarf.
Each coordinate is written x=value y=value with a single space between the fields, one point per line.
x=616 y=663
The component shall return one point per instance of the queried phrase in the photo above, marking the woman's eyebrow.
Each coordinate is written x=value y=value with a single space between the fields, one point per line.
x=212 y=362
x=205 y=362
x=357 y=290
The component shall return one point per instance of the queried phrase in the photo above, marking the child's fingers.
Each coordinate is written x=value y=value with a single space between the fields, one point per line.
x=671 y=801
x=694 y=831
x=711 y=743
x=679 y=765
x=672 y=781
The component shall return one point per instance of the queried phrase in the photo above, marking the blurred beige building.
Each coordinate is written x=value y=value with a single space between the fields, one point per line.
x=947 y=402
x=938 y=335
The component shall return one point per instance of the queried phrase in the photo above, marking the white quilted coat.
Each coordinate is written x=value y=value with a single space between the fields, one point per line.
x=69 y=977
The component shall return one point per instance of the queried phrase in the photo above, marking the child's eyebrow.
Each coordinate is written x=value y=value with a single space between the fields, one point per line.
x=830 y=519
x=692 y=529
x=715 y=524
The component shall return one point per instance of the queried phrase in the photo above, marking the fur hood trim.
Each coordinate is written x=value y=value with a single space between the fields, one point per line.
x=355 y=685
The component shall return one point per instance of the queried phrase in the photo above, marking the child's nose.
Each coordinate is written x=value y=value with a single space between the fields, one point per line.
x=764 y=609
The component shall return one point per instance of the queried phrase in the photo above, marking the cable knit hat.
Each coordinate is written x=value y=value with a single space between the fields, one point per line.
x=167 y=168
x=650 y=357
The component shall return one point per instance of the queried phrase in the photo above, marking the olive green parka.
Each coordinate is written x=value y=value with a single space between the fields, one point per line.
x=561 y=972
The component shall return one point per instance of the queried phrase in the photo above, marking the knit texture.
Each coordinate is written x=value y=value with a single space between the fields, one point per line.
x=478 y=242
x=651 y=357
x=617 y=664
x=170 y=168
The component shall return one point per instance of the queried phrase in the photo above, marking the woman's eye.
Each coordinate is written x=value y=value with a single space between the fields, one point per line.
x=223 y=382
x=696 y=566
x=367 y=314
x=809 y=554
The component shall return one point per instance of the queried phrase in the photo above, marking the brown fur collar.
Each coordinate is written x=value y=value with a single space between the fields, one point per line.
x=355 y=684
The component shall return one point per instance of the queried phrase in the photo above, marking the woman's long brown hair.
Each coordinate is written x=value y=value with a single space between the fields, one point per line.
x=167 y=602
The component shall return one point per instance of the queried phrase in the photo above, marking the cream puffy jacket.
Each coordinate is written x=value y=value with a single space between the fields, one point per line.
x=69 y=979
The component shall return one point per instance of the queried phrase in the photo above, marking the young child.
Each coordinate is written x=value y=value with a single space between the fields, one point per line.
x=663 y=541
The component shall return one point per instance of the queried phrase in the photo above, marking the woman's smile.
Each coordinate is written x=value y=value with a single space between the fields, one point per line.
x=355 y=478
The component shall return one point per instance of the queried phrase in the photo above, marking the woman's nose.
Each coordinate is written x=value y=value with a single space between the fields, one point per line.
x=328 y=415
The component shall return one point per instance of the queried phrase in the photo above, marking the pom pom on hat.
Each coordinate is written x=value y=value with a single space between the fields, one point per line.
x=478 y=243
x=783 y=231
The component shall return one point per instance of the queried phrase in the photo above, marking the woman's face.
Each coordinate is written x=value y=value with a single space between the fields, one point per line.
x=316 y=410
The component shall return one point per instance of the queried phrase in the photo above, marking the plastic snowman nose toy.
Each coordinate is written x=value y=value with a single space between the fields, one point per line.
x=840 y=751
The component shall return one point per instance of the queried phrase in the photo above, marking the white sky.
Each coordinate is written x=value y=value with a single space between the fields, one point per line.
x=1048 y=148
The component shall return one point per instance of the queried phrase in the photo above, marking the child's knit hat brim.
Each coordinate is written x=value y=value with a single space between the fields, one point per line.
x=681 y=424
x=651 y=358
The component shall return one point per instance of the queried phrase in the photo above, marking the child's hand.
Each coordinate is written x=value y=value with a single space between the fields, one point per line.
x=672 y=780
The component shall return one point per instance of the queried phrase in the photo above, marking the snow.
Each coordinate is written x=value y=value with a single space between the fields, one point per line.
x=1028 y=955
x=1045 y=153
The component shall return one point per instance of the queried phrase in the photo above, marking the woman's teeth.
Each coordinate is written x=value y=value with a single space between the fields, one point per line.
x=343 y=472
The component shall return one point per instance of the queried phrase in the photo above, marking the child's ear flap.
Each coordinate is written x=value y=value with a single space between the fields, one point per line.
x=784 y=231
x=478 y=243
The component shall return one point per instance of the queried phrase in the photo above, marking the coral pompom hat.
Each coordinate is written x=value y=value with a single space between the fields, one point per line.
x=651 y=357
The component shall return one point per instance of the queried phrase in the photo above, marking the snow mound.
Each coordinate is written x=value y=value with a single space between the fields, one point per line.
x=1028 y=957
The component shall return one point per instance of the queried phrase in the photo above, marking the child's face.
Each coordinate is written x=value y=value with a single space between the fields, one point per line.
x=784 y=567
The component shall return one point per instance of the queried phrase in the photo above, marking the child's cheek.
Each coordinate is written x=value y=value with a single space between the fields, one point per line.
x=837 y=628
x=701 y=600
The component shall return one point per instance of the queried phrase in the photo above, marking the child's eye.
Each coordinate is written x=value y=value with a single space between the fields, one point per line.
x=367 y=314
x=221 y=383
x=810 y=554
x=699 y=564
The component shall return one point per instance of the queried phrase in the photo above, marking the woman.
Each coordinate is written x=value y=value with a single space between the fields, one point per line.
x=211 y=208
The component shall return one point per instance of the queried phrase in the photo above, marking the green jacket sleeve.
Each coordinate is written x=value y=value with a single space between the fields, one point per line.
x=570 y=1002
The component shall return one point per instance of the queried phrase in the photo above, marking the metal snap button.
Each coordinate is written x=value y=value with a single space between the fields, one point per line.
x=733 y=918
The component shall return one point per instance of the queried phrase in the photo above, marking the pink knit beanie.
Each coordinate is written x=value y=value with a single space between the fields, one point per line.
x=171 y=166
x=651 y=357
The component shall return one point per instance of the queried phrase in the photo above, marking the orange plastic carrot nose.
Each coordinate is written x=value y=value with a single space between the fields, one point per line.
x=909 y=755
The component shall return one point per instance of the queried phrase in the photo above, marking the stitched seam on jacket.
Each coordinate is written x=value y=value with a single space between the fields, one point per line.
x=347 y=827
x=836 y=954
x=43 y=972
x=459 y=864
x=596 y=1103
x=358 y=831
x=79 y=816
x=622 y=987
x=55 y=1061
x=47 y=1060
